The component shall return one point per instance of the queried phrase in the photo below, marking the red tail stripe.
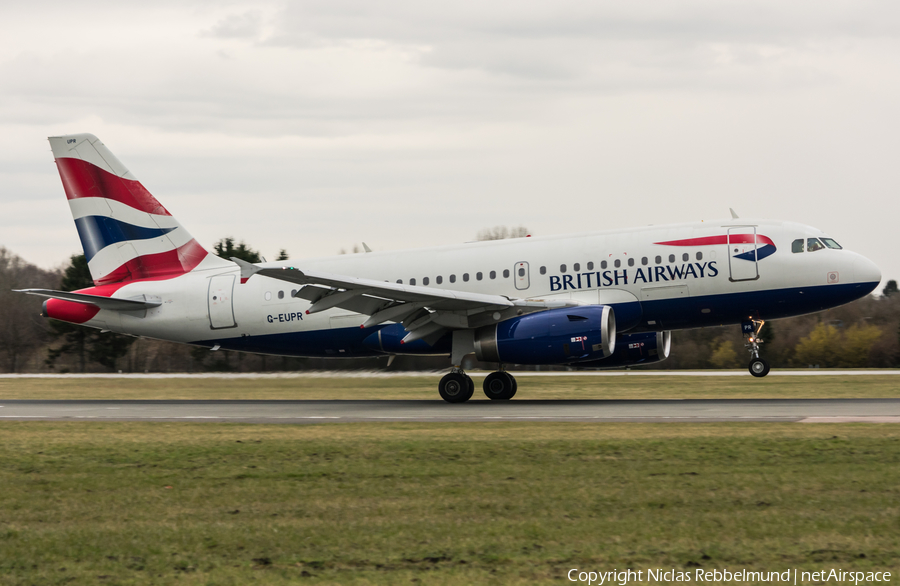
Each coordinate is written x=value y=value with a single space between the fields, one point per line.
x=156 y=267
x=82 y=179
x=724 y=239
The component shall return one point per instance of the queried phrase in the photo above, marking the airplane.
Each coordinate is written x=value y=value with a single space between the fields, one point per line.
x=606 y=299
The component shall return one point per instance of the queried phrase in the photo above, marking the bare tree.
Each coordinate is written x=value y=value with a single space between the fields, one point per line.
x=22 y=330
x=502 y=233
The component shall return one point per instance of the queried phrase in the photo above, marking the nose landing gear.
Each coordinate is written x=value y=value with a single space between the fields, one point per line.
x=758 y=366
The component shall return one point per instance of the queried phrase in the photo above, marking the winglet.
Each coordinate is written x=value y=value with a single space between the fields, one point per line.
x=247 y=269
x=366 y=247
x=734 y=215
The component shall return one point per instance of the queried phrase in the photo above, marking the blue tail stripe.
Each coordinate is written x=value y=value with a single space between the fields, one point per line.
x=98 y=232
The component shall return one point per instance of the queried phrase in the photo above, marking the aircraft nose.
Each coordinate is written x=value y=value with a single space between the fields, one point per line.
x=867 y=272
x=870 y=272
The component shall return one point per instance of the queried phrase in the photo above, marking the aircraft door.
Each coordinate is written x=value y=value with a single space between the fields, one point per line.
x=742 y=254
x=521 y=274
x=221 y=310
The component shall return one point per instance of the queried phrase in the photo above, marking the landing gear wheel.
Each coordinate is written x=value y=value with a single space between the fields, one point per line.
x=515 y=384
x=759 y=367
x=500 y=386
x=456 y=387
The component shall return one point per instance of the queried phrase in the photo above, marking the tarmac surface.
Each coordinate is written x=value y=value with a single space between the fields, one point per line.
x=249 y=411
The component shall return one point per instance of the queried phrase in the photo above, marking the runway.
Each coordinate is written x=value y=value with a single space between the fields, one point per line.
x=693 y=410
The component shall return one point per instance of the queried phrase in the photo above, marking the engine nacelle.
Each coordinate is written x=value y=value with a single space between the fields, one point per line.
x=557 y=336
x=634 y=349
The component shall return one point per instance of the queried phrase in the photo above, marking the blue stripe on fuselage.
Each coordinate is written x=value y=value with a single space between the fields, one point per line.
x=761 y=253
x=733 y=308
x=98 y=232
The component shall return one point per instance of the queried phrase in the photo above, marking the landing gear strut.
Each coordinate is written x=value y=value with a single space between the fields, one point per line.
x=758 y=366
x=456 y=387
x=500 y=386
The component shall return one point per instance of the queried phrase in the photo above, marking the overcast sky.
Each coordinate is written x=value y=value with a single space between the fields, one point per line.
x=313 y=126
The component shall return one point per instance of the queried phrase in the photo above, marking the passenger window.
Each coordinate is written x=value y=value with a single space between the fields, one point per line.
x=577 y=267
x=399 y=281
x=268 y=296
x=603 y=264
x=493 y=274
x=699 y=256
x=293 y=293
x=644 y=261
x=412 y=282
x=479 y=276
x=506 y=273
x=439 y=279
x=631 y=262
x=452 y=278
x=671 y=258
x=618 y=263
x=425 y=280
x=813 y=244
x=658 y=260
x=466 y=277
x=797 y=245
x=591 y=266
x=562 y=268
x=543 y=270
x=521 y=272
x=685 y=257
x=831 y=243
x=281 y=294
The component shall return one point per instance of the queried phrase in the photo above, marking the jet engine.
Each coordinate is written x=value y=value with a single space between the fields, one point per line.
x=557 y=336
x=634 y=349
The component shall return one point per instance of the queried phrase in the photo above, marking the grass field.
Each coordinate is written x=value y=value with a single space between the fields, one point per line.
x=425 y=387
x=495 y=503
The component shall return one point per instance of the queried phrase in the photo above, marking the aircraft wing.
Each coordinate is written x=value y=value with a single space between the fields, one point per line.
x=426 y=312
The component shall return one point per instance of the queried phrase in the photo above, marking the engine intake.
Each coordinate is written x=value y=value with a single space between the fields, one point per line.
x=557 y=336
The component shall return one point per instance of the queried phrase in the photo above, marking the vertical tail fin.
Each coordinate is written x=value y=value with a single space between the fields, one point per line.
x=125 y=232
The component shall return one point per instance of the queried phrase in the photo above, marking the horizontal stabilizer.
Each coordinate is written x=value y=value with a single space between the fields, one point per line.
x=107 y=303
x=247 y=269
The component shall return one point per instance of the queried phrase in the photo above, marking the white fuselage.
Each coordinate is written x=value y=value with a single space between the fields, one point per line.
x=653 y=286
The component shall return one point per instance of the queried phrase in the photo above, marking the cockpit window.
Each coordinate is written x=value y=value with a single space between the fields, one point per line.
x=830 y=243
x=813 y=244
x=797 y=245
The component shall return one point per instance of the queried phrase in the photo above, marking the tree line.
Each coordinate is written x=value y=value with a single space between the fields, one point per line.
x=865 y=333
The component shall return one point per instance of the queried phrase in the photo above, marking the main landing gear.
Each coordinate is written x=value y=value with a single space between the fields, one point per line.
x=758 y=366
x=500 y=386
x=458 y=387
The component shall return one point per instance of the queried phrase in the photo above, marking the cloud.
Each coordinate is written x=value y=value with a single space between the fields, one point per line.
x=238 y=26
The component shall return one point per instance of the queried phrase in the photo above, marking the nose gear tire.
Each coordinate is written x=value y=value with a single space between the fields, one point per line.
x=759 y=367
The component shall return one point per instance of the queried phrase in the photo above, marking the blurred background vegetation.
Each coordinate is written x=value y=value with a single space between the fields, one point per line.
x=862 y=334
